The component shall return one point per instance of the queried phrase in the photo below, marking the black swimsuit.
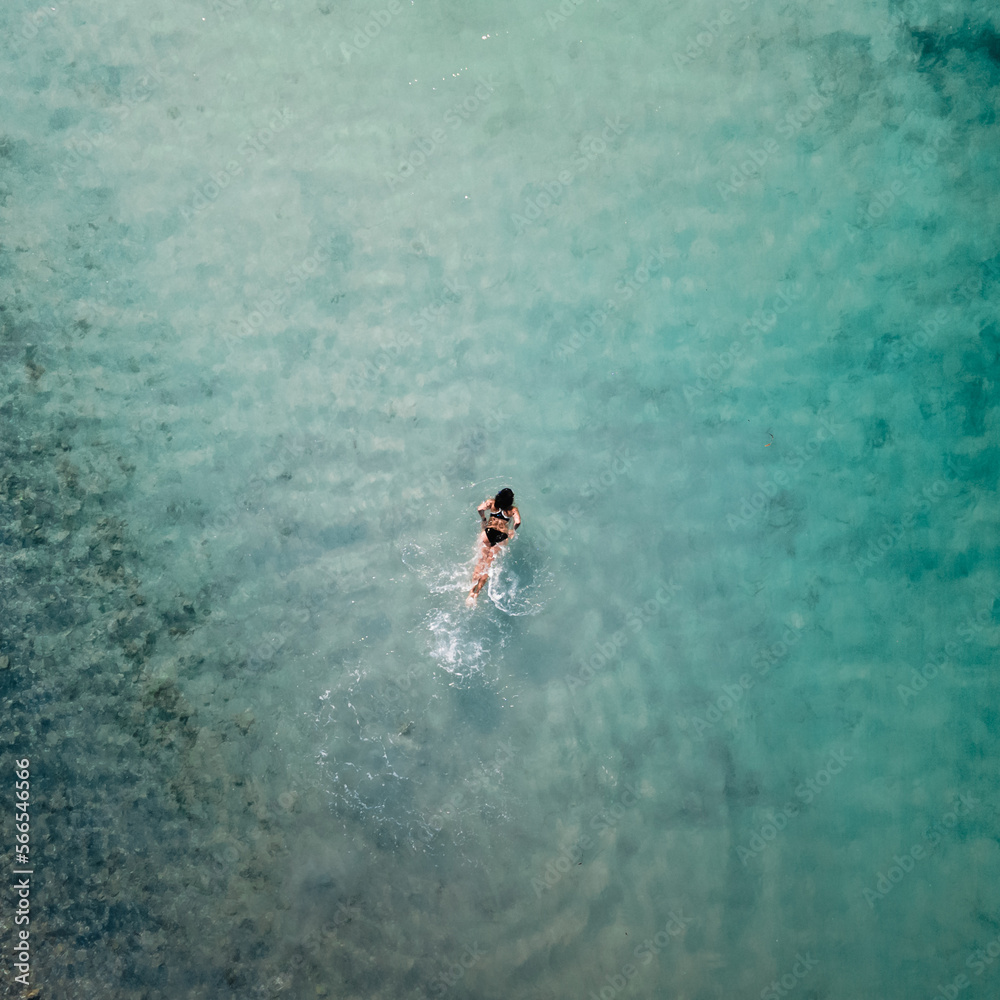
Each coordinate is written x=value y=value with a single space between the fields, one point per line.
x=493 y=536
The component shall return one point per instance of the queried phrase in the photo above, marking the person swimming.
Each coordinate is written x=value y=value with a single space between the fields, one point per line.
x=500 y=519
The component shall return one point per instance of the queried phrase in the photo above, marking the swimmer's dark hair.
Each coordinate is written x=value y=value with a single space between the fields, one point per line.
x=504 y=500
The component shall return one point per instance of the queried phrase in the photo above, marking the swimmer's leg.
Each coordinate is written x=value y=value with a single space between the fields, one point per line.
x=481 y=574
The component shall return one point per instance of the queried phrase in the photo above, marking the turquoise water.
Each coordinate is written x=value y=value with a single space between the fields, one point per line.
x=288 y=289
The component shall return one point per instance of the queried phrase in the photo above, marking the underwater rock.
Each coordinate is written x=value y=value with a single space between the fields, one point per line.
x=245 y=720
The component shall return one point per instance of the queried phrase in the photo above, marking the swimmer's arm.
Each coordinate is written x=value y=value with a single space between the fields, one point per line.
x=517 y=519
x=484 y=506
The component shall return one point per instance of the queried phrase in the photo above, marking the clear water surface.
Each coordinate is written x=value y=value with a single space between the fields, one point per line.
x=286 y=289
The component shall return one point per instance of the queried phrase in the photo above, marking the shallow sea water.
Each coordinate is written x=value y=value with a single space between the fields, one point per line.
x=714 y=289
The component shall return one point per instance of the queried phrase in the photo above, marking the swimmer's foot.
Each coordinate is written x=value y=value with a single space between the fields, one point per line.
x=470 y=601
